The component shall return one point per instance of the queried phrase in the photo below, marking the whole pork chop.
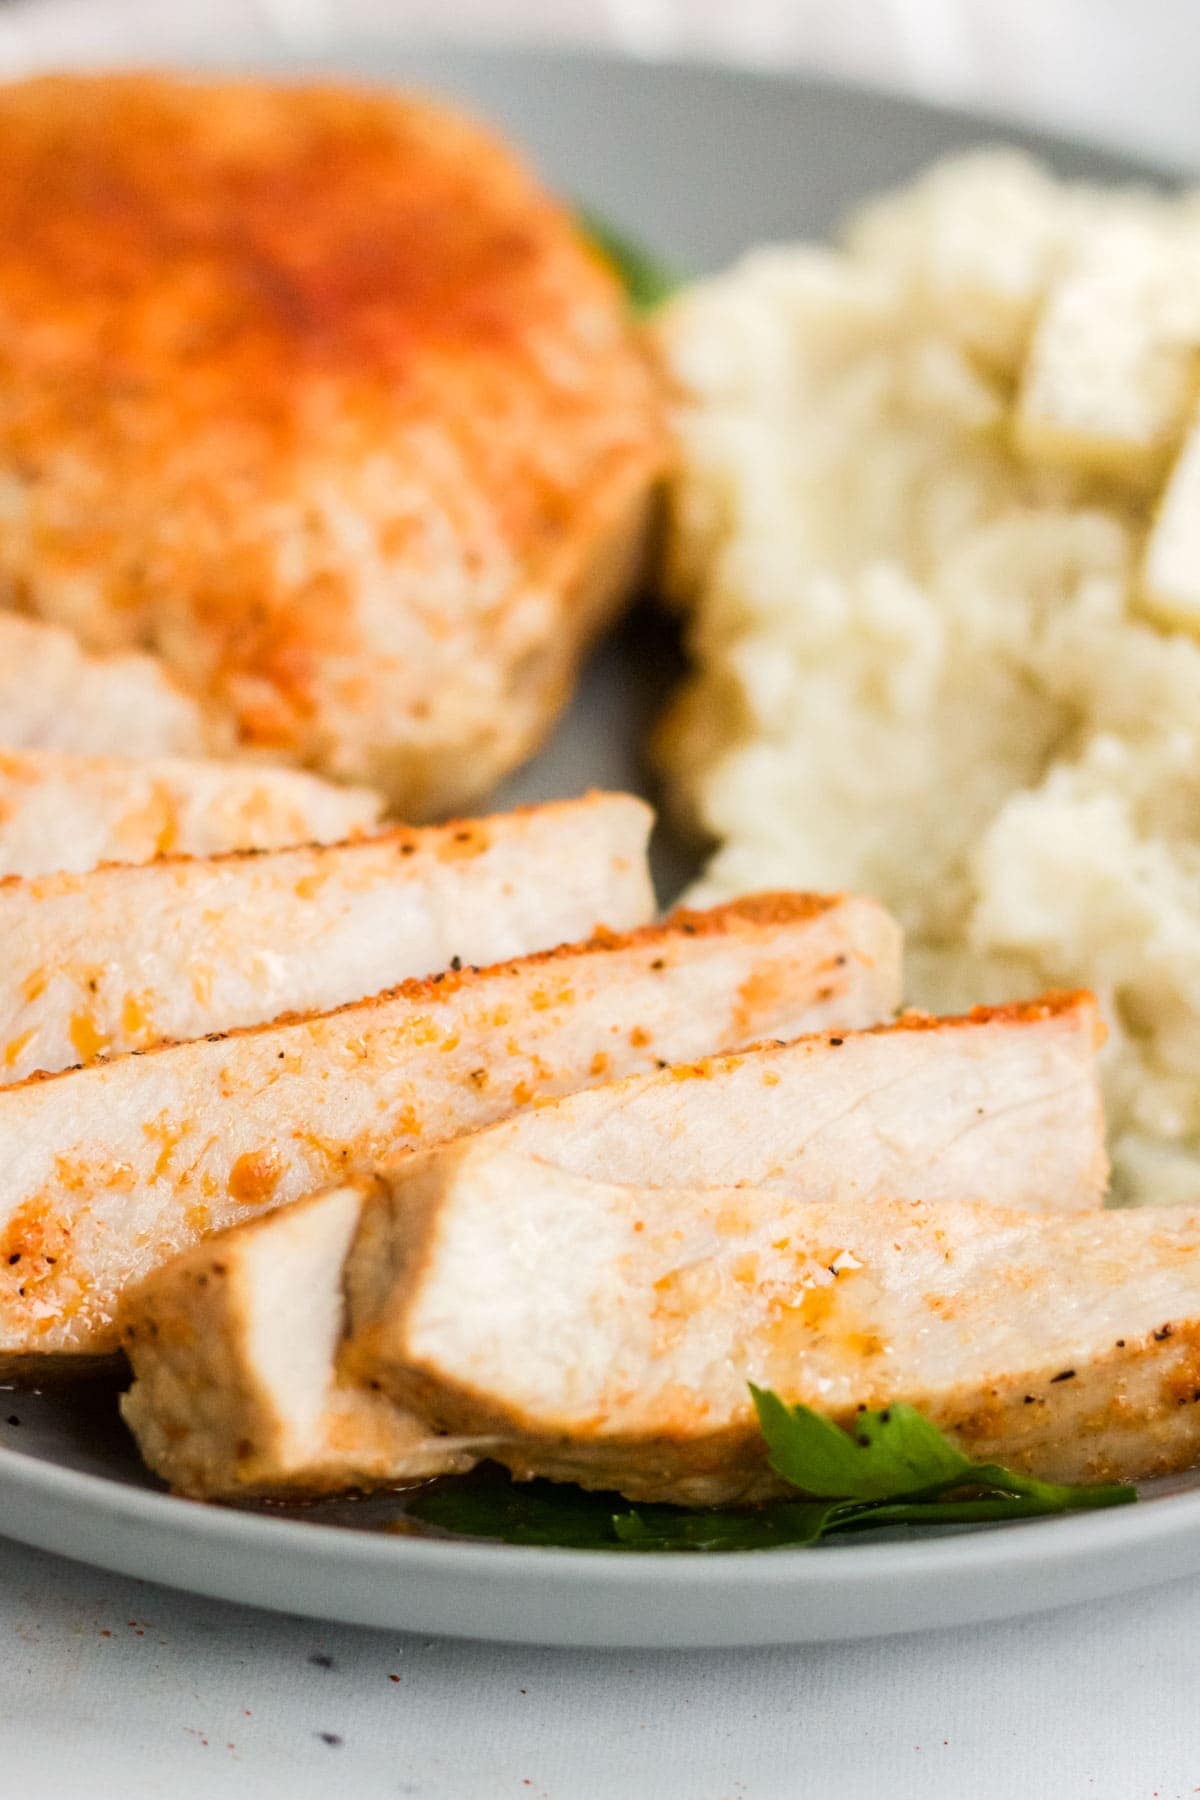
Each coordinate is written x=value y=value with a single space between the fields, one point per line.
x=316 y=393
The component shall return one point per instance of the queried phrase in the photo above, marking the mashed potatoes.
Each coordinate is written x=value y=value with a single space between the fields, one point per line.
x=920 y=474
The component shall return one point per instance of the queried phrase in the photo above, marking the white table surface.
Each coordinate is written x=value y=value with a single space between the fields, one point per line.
x=112 y=1688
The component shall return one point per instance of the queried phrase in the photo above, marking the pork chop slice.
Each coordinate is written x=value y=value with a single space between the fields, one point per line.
x=607 y=1332
x=54 y=695
x=233 y=1346
x=109 y=1170
x=122 y=957
x=59 y=811
x=209 y=1334
x=1002 y=1103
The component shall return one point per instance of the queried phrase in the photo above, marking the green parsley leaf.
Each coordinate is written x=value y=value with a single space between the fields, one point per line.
x=647 y=280
x=896 y=1451
x=1048 y=1496
x=487 y=1503
x=785 y=1522
x=894 y=1469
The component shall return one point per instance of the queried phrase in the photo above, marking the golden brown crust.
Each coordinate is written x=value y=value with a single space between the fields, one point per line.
x=1053 y=1005
x=317 y=393
x=1018 y=1012
x=780 y=907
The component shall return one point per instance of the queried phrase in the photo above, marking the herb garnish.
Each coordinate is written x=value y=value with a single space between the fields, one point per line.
x=647 y=280
x=895 y=1468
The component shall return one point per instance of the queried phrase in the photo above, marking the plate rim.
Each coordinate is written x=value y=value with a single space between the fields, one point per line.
x=388 y=55
x=570 y=1598
x=1106 y=1529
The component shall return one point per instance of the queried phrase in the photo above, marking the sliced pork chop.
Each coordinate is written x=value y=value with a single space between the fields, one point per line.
x=122 y=957
x=107 y=1171
x=609 y=1332
x=62 y=812
x=55 y=696
x=1002 y=1103
x=233 y=1346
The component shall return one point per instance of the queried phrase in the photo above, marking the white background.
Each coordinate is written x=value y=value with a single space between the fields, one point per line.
x=1122 y=70
x=194 y=1700
x=111 y=1688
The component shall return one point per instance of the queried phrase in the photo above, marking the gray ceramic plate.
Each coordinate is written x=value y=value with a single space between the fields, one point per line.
x=702 y=164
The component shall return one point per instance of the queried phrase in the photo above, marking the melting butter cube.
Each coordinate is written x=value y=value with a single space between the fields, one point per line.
x=1111 y=370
